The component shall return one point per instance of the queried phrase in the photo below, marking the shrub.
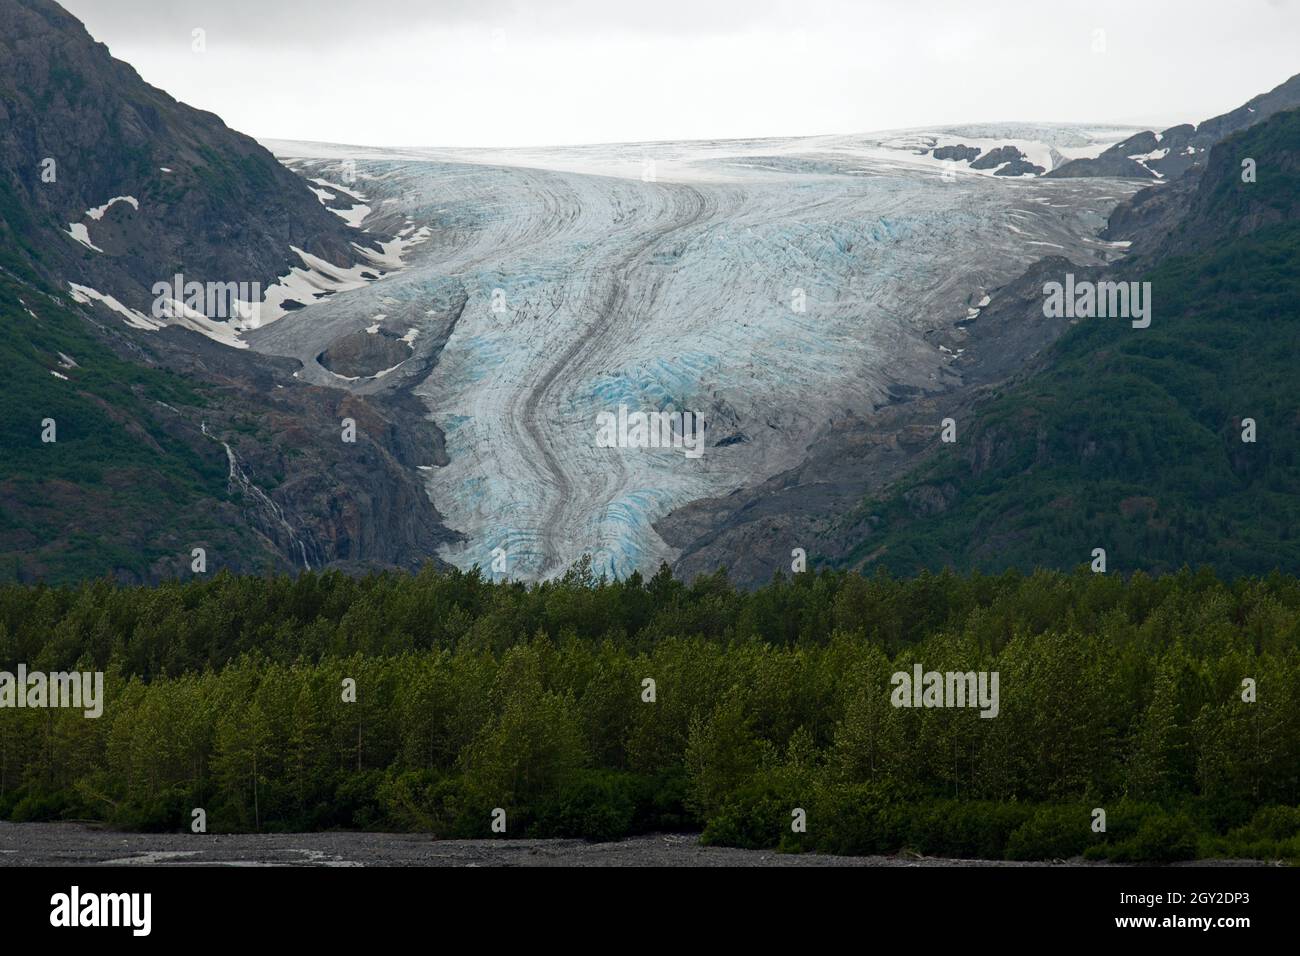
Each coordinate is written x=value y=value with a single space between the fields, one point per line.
x=1052 y=833
x=1161 y=838
x=1275 y=823
x=975 y=829
x=595 y=805
x=356 y=800
x=758 y=814
x=663 y=806
x=860 y=819
x=40 y=807
x=166 y=811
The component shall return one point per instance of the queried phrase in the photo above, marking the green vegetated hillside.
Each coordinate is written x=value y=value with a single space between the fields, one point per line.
x=1131 y=439
x=1128 y=696
x=117 y=490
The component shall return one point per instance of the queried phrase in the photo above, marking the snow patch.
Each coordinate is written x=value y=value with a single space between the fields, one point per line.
x=313 y=280
x=392 y=254
x=353 y=216
x=221 y=332
x=85 y=295
x=1143 y=158
x=98 y=212
x=227 y=333
x=80 y=233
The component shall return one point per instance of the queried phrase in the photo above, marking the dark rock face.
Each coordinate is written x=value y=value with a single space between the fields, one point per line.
x=1020 y=167
x=1223 y=205
x=1211 y=201
x=1011 y=159
x=1015 y=162
x=1142 y=156
x=960 y=153
x=226 y=212
x=1183 y=147
x=1147 y=218
x=363 y=354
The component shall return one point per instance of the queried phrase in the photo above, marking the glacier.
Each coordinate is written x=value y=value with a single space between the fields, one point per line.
x=773 y=286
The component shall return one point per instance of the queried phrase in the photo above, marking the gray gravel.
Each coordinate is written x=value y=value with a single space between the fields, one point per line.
x=62 y=844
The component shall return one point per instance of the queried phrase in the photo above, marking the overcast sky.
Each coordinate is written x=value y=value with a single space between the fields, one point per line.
x=540 y=72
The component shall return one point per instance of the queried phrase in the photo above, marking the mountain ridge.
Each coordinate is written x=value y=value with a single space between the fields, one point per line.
x=167 y=439
x=813 y=506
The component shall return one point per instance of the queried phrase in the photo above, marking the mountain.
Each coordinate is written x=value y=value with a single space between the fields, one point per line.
x=1002 y=149
x=170 y=434
x=1078 y=442
x=1134 y=441
x=1071 y=152
x=471 y=316
x=113 y=185
x=1168 y=155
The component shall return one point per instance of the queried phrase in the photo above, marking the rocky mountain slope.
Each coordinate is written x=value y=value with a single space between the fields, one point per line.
x=1168 y=155
x=165 y=439
x=875 y=454
x=190 y=445
x=1174 y=445
x=1000 y=149
x=116 y=186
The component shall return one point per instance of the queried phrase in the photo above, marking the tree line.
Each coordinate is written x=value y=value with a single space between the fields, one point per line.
x=594 y=708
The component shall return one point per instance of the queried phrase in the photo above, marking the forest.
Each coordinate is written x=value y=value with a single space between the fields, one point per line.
x=592 y=708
